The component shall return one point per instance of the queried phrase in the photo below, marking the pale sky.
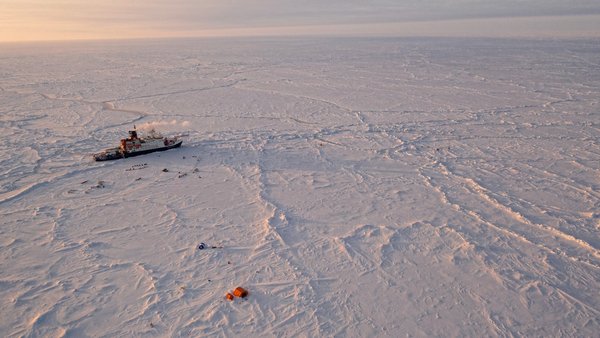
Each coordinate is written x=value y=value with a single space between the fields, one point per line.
x=30 y=20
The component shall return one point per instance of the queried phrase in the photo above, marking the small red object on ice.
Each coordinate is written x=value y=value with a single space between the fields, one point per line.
x=240 y=292
x=229 y=296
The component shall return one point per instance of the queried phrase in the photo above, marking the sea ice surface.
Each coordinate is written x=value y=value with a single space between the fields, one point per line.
x=355 y=187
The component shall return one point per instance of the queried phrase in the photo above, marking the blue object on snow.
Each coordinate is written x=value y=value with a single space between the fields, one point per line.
x=202 y=246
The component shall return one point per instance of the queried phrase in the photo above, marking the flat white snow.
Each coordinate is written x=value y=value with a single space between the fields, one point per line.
x=357 y=187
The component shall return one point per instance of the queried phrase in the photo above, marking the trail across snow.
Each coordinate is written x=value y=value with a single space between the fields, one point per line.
x=382 y=187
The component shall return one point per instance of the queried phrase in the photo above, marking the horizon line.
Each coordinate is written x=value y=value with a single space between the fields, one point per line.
x=521 y=27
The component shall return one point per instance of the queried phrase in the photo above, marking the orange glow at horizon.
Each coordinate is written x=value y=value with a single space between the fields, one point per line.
x=44 y=20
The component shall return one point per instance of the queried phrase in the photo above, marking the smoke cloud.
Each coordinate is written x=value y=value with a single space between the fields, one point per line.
x=163 y=125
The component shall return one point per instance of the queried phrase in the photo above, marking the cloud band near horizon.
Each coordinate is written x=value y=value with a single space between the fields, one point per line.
x=30 y=20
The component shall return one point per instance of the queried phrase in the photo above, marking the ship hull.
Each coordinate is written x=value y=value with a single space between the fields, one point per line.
x=107 y=157
x=148 y=151
x=119 y=155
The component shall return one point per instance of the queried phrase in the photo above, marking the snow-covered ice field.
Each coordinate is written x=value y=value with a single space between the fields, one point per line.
x=357 y=187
